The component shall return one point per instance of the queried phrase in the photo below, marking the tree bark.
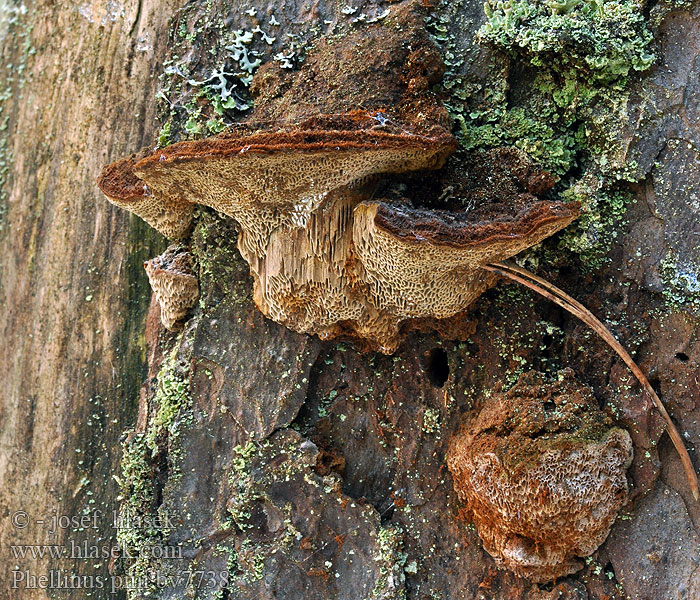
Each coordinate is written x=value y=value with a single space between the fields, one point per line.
x=277 y=465
x=78 y=88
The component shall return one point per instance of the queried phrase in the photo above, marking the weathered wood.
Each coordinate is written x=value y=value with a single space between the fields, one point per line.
x=78 y=87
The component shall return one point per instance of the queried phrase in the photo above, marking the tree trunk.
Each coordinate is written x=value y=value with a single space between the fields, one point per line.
x=241 y=459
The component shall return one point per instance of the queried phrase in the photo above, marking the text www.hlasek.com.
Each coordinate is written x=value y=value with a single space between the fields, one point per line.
x=61 y=579
x=87 y=551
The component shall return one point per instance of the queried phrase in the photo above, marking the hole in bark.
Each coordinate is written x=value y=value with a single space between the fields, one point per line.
x=546 y=352
x=655 y=384
x=682 y=356
x=161 y=478
x=387 y=515
x=437 y=367
x=565 y=270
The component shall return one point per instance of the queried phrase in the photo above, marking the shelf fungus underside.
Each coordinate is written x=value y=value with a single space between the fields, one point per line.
x=326 y=255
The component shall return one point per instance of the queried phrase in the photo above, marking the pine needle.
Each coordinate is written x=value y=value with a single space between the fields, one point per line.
x=577 y=309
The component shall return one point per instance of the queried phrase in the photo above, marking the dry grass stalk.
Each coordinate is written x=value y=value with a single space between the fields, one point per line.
x=553 y=293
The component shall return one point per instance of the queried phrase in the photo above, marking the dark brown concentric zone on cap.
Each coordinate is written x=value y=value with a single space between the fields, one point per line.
x=357 y=131
x=454 y=229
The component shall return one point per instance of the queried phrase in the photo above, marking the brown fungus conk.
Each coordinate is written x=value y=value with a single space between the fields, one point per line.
x=542 y=472
x=272 y=179
x=325 y=258
x=174 y=284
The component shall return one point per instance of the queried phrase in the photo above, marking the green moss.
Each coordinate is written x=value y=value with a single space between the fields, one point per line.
x=171 y=400
x=138 y=508
x=591 y=237
x=222 y=271
x=143 y=533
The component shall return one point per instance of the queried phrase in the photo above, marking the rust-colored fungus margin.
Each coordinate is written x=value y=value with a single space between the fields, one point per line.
x=542 y=472
x=171 y=215
x=325 y=258
x=266 y=179
x=174 y=283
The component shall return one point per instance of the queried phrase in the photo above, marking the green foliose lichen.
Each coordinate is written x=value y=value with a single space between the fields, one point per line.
x=557 y=88
x=603 y=213
x=606 y=38
x=205 y=81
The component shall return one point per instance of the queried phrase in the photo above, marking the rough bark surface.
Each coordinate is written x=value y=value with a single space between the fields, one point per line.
x=304 y=469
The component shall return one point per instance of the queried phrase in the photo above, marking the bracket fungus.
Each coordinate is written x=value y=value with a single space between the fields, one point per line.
x=325 y=256
x=174 y=284
x=542 y=472
x=329 y=254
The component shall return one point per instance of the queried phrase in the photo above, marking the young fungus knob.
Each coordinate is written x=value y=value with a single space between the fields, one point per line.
x=168 y=213
x=542 y=472
x=175 y=285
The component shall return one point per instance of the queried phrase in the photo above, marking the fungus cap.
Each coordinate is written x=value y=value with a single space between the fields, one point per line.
x=267 y=178
x=325 y=258
x=168 y=213
x=426 y=263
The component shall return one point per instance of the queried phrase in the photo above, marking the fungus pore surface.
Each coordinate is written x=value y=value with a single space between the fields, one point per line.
x=542 y=472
